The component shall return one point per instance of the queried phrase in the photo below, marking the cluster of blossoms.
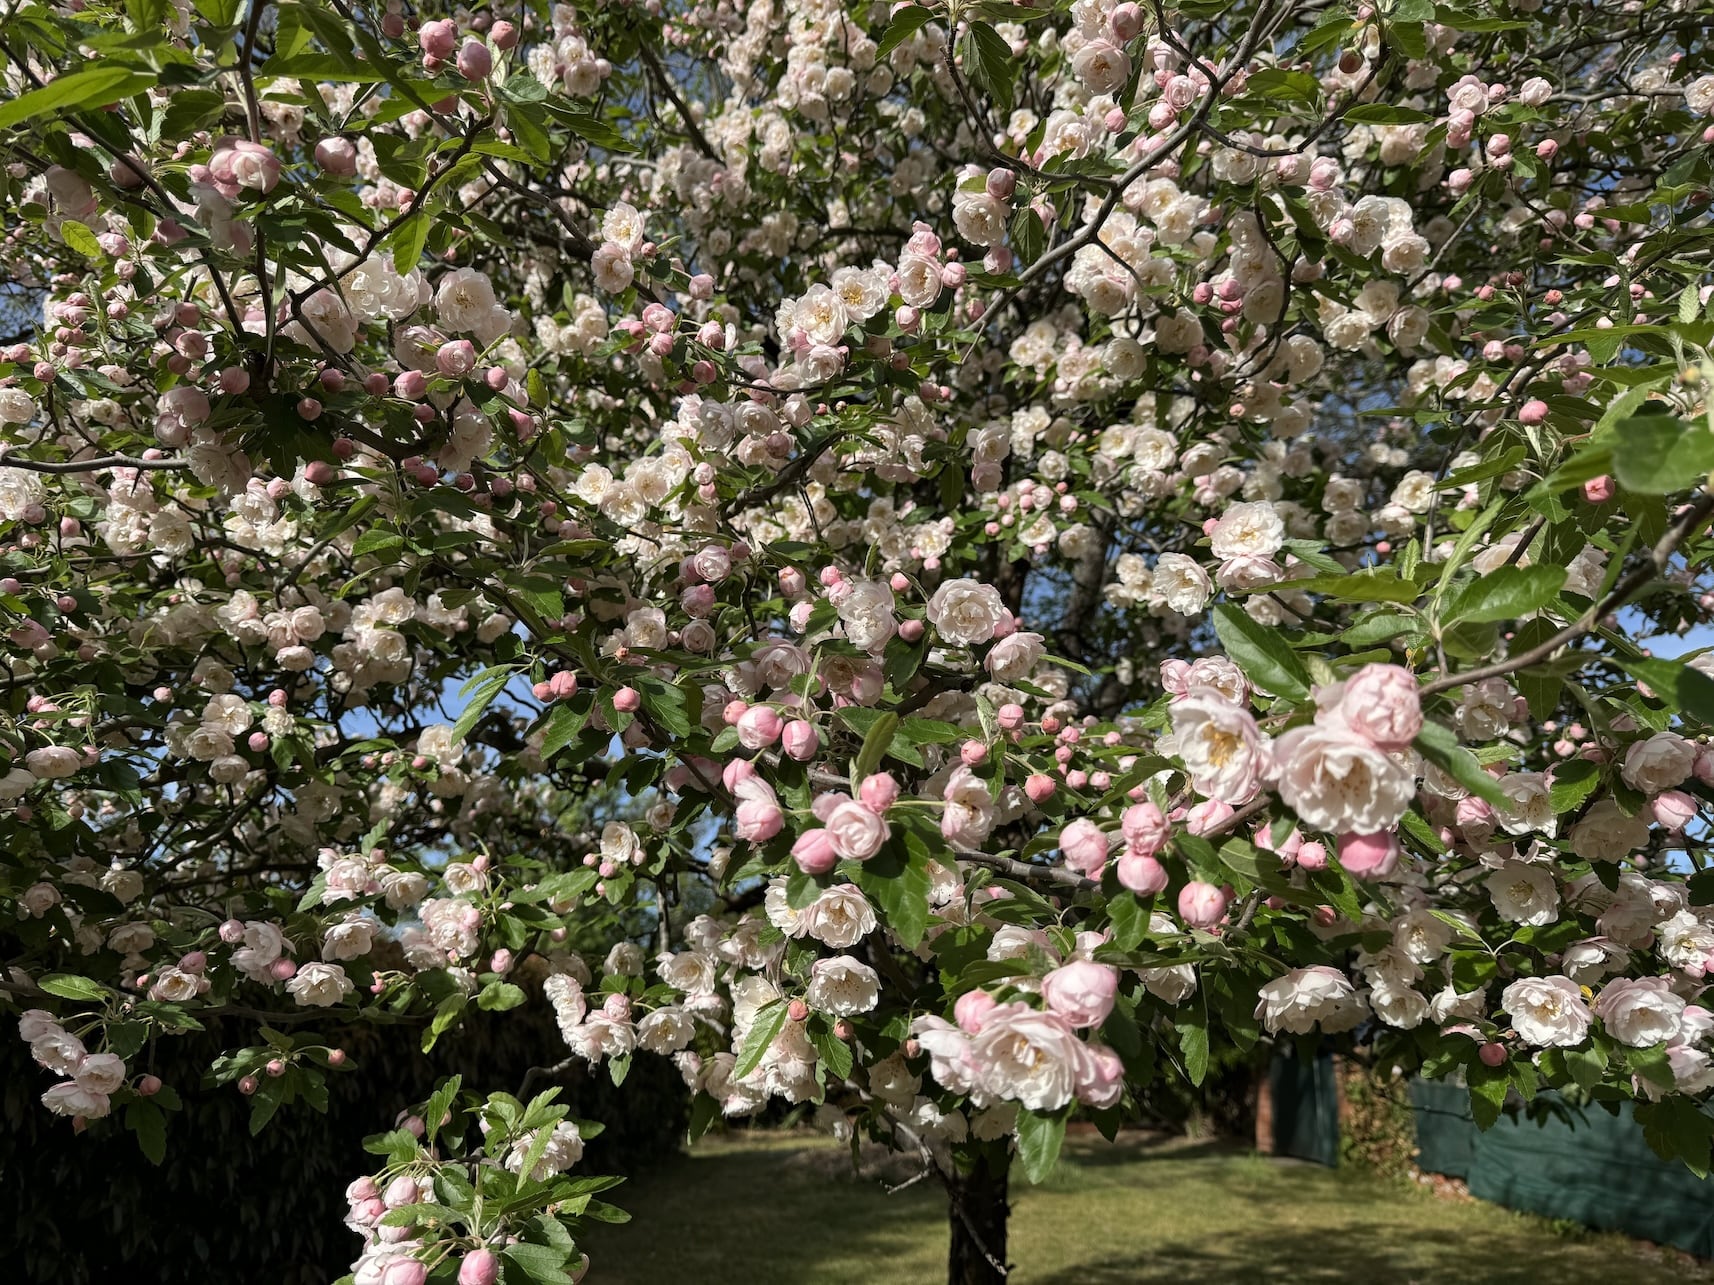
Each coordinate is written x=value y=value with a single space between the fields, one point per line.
x=90 y=1080
x=730 y=478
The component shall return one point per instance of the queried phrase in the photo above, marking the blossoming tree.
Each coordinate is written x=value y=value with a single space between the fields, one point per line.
x=1083 y=531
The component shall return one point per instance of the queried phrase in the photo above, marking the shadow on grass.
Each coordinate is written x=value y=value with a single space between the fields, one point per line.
x=791 y=1211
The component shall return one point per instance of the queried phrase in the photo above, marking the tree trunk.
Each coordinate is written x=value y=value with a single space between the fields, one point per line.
x=978 y=1215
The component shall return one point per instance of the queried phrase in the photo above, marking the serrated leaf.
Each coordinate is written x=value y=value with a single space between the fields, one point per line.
x=1261 y=653
x=1661 y=454
x=905 y=24
x=1505 y=593
x=71 y=986
x=769 y=1019
x=1040 y=1137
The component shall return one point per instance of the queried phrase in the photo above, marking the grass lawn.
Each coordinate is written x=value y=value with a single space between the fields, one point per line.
x=772 y=1209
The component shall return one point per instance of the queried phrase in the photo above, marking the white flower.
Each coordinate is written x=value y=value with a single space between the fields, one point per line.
x=1606 y=834
x=1248 y=531
x=1640 y=1012
x=564 y=1149
x=1662 y=762
x=866 y=612
x=1182 y=584
x=666 y=1030
x=464 y=300
x=1531 y=804
x=320 y=985
x=1028 y=1056
x=1524 y=894
x=1337 y=781
x=842 y=986
x=1307 y=996
x=1218 y=740
x=965 y=612
x=1684 y=940
x=1547 y=1011
x=840 y=917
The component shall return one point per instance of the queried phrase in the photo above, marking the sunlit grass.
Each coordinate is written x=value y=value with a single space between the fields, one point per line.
x=788 y=1210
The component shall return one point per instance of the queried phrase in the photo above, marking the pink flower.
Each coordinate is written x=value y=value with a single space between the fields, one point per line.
x=814 y=852
x=758 y=816
x=1145 y=829
x=237 y=162
x=1674 y=809
x=856 y=830
x=1084 y=846
x=879 y=791
x=1102 y=1081
x=800 y=740
x=971 y=1008
x=1144 y=876
x=1081 y=992
x=1369 y=856
x=1381 y=702
x=759 y=727
x=1336 y=780
x=1222 y=749
x=1202 y=905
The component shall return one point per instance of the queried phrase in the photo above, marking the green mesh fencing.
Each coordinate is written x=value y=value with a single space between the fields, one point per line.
x=1580 y=1163
x=1306 y=1108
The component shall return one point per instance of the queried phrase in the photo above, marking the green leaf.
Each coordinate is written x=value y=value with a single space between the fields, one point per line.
x=1039 y=1140
x=439 y=1103
x=899 y=889
x=1676 y=683
x=538 y=1263
x=989 y=63
x=766 y=1025
x=1506 y=593
x=444 y=1016
x=95 y=87
x=875 y=742
x=1192 y=1027
x=146 y=1120
x=905 y=24
x=1573 y=781
x=500 y=997
x=71 y=986
x=1386 y=114
x=481 y=690
x=1261 y=653
x=835 y=1053
x=1029 y=238
x=1677 y=1129
x=80 y=239
x=409 y=238
x=1439 y=745
x=1369 y=585
x=1660 y=454
x=1488 y=1086
x=563 y=725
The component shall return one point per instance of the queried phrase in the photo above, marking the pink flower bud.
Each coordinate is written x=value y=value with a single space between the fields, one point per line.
x=480 y=1267
x=1040 y=788
x=1534 y=411
x=627 y=700
x=800 y=740
x=410 y=385
x=438 y=39
x=337 y=156
x=404 y=1271
x=879 y=791
x=1368 y=856
x=1492 y=1054
x=814 y=852
x=148 y=1086
x=231 y=932
x=1674 y=809
x=1598 y=490
x=1144 y=876
x=248 y=1085
x=1202 y=905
